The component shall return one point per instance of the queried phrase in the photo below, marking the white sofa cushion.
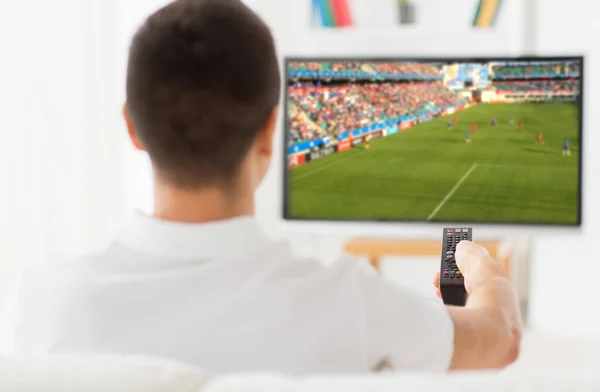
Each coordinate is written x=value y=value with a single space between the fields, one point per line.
x=458 y=382
x=548 y=354
x=98 y=374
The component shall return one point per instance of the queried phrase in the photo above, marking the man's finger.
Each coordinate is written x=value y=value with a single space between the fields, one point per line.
x=436 y=280
x=469 y=256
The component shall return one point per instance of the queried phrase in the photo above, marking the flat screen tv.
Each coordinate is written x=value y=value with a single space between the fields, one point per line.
x=448 y=140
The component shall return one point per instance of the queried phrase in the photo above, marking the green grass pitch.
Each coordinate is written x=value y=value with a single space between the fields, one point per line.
x=430 y=173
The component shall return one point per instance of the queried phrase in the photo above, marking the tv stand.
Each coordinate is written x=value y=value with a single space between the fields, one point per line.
x=375 y=249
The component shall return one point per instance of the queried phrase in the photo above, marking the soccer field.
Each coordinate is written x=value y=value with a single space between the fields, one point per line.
x=430 y=173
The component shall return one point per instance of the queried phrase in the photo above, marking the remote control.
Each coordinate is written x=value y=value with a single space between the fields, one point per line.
x=452 y=283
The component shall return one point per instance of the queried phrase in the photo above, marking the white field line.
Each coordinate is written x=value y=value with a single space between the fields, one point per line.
x=452 y=191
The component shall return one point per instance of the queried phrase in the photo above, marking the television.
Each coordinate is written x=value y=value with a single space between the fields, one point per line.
x=435 y=141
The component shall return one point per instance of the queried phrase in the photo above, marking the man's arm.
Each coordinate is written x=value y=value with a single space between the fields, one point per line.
x=488 y=330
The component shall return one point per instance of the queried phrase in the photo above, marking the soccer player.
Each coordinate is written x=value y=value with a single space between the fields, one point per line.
x=367 y=142
x=494 y=121
x=473 y=127
x=468 y=139
x=455 y=119
x=510 y=118
x=540 y=138
x=566 y=149
x=449 y=125
x=520 y=125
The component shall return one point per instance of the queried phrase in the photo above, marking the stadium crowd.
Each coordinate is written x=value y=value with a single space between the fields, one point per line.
x=539 y=85
x=404 y=68
x=339 y=109
x=549 y=70
x=398 y=68
x=327 y=67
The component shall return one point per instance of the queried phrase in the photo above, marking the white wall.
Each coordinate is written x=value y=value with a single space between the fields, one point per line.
x=564 y=294
x=56 y=158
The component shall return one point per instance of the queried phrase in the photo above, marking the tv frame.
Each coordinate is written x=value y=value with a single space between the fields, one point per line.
x=384 y=225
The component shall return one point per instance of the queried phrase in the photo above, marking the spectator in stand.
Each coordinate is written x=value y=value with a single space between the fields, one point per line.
x=550 y=69
x=403 y=68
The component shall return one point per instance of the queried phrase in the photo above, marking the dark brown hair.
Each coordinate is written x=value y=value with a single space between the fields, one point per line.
x=202 y=79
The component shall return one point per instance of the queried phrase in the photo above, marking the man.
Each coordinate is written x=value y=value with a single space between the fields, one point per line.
x=520 y=125
x=468 y=136
x=198 y=281
x=473 y=128
x=566 y=148
x=493 y=121
x=367 y=141
x=539 y=139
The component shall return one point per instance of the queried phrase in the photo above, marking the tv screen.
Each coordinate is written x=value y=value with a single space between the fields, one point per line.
x=491 y=141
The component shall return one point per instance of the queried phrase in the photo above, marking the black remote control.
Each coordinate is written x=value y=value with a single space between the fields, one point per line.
x=452 y=283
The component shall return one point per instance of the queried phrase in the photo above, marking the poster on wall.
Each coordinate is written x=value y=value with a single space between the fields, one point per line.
x=414 y=28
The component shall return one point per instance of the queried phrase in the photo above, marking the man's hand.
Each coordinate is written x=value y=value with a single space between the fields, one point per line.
x=488 y=328
x=475 y=264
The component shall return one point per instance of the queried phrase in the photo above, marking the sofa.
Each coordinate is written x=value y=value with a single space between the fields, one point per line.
x=547 y=365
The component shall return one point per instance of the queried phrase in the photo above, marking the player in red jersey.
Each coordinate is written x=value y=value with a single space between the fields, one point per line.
x=540 y=138
x=473 y=127
x=520 y=126
x=455 y=119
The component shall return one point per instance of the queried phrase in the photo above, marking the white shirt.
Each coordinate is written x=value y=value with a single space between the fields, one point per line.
x=224 y=297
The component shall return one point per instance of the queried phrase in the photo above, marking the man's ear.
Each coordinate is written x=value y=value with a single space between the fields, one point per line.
x=265 y=138
x=131 y=129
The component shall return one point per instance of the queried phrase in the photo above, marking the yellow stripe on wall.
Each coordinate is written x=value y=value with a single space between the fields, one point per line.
x=487 y=13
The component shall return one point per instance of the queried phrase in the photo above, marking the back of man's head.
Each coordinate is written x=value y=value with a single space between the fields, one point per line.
x=202 y=81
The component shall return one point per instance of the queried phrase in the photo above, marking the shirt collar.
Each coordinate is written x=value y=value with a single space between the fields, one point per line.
x=178 y=240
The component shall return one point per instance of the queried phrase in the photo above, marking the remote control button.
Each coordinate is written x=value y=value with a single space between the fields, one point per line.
x=452 y=275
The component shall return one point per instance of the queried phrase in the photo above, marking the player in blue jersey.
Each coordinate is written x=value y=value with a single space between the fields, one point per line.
x=468 y=136
x=449 y=125
x=510 y=118
x=566 y=148
x=493 y=121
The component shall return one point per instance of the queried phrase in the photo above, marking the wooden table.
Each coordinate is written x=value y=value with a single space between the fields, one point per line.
x=375 y=249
